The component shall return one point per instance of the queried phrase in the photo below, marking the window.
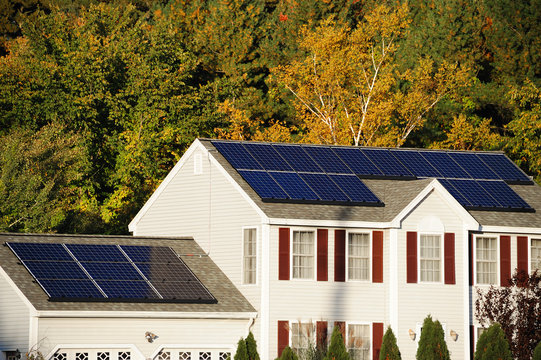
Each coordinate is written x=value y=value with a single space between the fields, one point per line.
x=536 y=255
x=430 y=258
x=250 y=256
x=302 y=336
x=359 y=257
x=303 y=254
x=486 y=260
x=358 y=343
x=480 y=331
x=197 y=164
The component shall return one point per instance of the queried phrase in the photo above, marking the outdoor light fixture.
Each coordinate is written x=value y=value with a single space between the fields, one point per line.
x=454 y=335
x=150 y=336
x=412 y=334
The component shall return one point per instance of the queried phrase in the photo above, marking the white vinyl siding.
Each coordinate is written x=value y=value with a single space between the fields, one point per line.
x=430 y=258
x=535 y=254
x=302 y=336
x=250 y=256
x=303 y=247
x=358 y=341
x=358 y=256
x=486 y=260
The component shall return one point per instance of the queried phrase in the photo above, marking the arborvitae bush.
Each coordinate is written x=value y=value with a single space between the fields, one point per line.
x=492 y=344
x=251 y=347
x=389 y=348
x=440 y=346
x=288 y=354
x=432 y=342
x=537 y=352
x=337 y=349
x=242 y=353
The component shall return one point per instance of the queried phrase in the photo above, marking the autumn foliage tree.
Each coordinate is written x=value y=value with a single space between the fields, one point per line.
x=516 y=308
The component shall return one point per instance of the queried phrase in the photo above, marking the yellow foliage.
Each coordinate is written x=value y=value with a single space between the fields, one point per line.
x=465 y=135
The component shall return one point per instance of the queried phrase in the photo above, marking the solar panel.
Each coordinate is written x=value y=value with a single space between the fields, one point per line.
x=128 y=290
x=387 y=163
x=237 y=155
x=357 y=161
x=267 y=157
x=454 y=192
x=297 y=158
x=153 y=254
x=89 y=252
x=157 y=272
x=475 y=194
x=263 y=184
x=111 y=271
x=184 y=291
x=505 y=196
x=505 y=168
x=415 y=163
x=473 y=165
x=71 y=289
x=446 y=166
x=355 y=189
x=32 y=251
x=327 y=160
x=324 y=187
x=296 y=188
x=55 y=269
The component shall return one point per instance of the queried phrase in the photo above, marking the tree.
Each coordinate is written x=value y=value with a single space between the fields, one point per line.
x=251 y=347
x=492 y=344
x=389 y=348
x=537 y=352
x=470 y=133
x=288 y=354
x=432 y=342
x=516 y=309
x=242 y=351
x=337 y=349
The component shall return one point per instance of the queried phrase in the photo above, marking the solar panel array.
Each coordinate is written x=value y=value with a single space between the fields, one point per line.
x=314 y=173
x=89 y=272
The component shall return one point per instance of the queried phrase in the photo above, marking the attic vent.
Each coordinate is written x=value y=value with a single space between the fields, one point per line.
x=197 y=164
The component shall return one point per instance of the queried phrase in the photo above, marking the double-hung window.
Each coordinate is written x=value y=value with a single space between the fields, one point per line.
x=486 y=260
x=303 y=255
x=249 y=256
x=430 y=259
x=358 y=342
x=535 y=254
x=302 y=336
x=359 y=256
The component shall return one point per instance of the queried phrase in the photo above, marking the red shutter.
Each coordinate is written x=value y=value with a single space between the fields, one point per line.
x=411 y=256
x=321 y=334
x=340 y=255
x=377 y=256
x=283 y=336
x=322 y=254
x=377 y=339
x=472 y=342
x=342 y=326
x=470 y=256
x=505 y=260
x=522 y=253
x=449 y=257
x=283 y=254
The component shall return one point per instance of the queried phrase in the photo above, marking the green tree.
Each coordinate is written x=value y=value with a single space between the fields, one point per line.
x=288 y=354
x=242 y=351
x=432 y=342
x=389 y=348
x=251 y=347
x=337 y=349
x=537 y=352
x=492 y=344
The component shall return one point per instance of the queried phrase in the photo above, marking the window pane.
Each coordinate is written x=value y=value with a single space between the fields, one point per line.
x=485 y=263
x=250 y=256
x=302 y=335
x=430 y=260
x=358 y=341
x=303 y=254
x=359 y=257
x=536 y=255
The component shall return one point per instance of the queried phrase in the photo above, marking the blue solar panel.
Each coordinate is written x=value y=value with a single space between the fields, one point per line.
x=446 y=166
x=263 y=184
x=415 y=163
x=324 y=187
x=505 y=196
x=111 y=271
x=504 y=167
x=154 y=254
x=267 y=157
x=454 y=192
x=297 y=158
x=237 y=155
x=474 y=193
x=184 y=290
x=119 y=289
x=55 y=269
x=71 y=289
x=296 y=188
x=156 y=272
x=473 y=165
x=34 y=251
x=327 y=160
x=89 y=252
x=389 y=165
x=357 y=161
x=355 y=189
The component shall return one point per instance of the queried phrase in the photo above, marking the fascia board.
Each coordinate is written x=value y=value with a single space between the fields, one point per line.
x=509 y=230
x=145 y=314
x=329 y=223
x=19 y=293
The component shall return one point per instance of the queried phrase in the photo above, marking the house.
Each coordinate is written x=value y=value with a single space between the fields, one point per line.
x=80 y=297
x=361 y=238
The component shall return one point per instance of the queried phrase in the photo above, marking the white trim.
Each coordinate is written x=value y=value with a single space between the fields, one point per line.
x=370 y=260
x=33 y=327
x=530 y=238
x=511 y=230
x=257 y=256
x=328 y=223
x=466 y=308
x=291 y=236
x=498 y=280
x=265 y=292
x=393 y=279
x=442 y=275
x=145 y=314
x=192 y=346
x=18 y=291
x=131 y=347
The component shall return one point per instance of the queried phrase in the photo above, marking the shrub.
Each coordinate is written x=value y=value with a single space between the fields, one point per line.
x=389 y=348
x=242 y=352
x=251 y=347
x=537 y=352
x=432 y=342
x=288 y=354
x=492 y=344
x=337 y=349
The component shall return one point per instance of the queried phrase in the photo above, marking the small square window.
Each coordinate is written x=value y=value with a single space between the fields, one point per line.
x=250 y=256
x=535 y=254
x=486 y=260
x=430 y=259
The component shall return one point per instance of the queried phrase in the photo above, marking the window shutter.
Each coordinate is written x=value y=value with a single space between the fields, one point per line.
x=522 y=253
x=377 y=339
x=470 y=256
x=505 y=260
x=342 y=326
x=472 y=342
x=283 y=336
x=377 y=256
x=449 y=257
x=411 y=256
x=283 y=254
x=321 y=334
x=340 y=255
x=322 y=254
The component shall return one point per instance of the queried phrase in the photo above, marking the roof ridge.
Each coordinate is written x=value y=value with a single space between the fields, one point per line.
x=104 y=236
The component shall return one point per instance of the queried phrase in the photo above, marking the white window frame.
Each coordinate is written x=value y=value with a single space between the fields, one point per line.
x=370 y=335
x=313 y=339
x=370 y=244
x=291 y=235
x=497 y=237
x=442 y=275
x=530 y=240
x=256 y=255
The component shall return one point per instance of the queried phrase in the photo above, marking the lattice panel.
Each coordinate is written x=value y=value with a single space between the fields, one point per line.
x=60 y=356
x=205 y=355
x=184 y=355
x=124 y=355
x=81 y=356
x=225 y=356
x=164 y=355
x=103 y=356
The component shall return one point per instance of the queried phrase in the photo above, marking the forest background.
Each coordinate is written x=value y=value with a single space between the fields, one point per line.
x=99 y=99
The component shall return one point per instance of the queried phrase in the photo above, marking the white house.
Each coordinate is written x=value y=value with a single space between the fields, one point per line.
x=310 y=248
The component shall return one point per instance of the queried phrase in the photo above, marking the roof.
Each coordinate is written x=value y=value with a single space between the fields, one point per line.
x=229 y=299
x=395 y=195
